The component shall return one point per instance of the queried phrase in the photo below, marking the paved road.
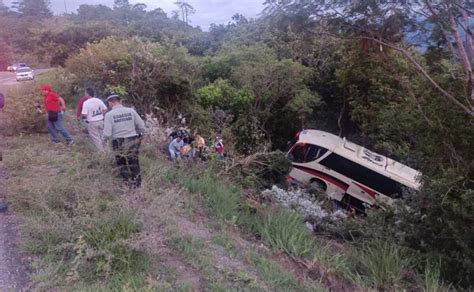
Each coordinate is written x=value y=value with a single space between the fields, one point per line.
x=8 y=78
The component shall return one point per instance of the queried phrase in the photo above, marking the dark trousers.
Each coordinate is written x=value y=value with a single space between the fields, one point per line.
x=126 y=152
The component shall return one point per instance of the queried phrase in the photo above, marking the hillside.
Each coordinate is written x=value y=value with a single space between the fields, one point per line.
x=229 y=221
x=96 y=234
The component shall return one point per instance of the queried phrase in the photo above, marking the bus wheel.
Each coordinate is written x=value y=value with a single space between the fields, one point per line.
x=318 y=185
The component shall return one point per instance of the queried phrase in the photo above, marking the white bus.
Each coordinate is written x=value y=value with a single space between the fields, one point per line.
x=349 y=173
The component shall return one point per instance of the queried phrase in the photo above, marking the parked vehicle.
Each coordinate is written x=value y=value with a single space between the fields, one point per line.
x=14 y=67
x=24 y=73
x=349 y=173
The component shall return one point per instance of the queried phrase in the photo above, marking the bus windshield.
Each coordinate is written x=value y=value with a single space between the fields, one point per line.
x=304 y=153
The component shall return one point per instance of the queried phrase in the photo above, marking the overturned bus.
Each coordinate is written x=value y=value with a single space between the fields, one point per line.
x=349 y=173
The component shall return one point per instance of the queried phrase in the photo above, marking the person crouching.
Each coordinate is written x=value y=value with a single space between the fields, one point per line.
x=125 y=127
x=175 y=146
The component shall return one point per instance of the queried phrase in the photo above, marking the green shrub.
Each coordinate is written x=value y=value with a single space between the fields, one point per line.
x=21 y=109
x=162 y=74
x=266 y=169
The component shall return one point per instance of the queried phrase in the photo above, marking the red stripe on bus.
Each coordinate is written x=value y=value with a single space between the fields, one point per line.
x=366 y=189
x=324 y=176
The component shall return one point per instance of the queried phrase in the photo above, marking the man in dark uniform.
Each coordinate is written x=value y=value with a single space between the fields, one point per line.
x=125 y=127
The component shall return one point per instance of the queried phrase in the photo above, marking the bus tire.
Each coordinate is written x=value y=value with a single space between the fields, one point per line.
x=318 y=184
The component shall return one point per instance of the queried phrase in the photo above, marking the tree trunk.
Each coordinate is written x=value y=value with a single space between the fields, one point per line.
x=469 y=34
x=464 y=58
x=470 y=47
x=462 y=51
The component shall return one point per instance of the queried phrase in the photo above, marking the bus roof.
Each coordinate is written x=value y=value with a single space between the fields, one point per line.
x=376 y=162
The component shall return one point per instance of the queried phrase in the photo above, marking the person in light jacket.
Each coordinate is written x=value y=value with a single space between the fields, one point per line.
x=125 y=128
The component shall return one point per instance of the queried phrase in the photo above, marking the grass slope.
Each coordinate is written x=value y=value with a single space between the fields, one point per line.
x=86 y=231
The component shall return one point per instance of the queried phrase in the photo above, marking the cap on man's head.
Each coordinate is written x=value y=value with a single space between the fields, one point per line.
x=113 y=96
x=45 y=87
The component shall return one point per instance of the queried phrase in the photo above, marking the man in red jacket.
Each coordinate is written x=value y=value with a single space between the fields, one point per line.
x=55 y=106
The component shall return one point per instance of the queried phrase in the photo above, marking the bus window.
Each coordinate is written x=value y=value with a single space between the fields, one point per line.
x=362 y=174
x=298 y=153
x=303 y=153
x=314 y=153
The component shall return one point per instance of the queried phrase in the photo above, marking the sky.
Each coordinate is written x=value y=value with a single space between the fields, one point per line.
x=207 y=11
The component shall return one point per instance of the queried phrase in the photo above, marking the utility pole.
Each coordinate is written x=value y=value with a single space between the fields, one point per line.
x=65 y=6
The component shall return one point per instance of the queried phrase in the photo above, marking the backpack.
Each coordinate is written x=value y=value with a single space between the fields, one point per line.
x=53 y=116
x=2 y=100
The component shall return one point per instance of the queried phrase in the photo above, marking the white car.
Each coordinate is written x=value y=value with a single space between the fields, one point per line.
x=14 y=67
x=24 y=73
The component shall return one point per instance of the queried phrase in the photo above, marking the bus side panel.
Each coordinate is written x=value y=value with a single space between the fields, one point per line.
x=357 y=192
x=301 y=176
x=335 y=188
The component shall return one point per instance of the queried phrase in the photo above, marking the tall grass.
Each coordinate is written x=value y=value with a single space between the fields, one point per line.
x=108 y=239
x=284 y=230
x=78 y=231
x=223 y=200
x=383 y=264
x=432 y=279
x=281 y=229
x=273 y=274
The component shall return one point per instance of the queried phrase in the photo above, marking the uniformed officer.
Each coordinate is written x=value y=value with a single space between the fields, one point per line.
x=125 y=127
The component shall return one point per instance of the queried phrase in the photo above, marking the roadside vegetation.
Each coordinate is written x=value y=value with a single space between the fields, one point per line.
x=184 y=230
x=255 y=83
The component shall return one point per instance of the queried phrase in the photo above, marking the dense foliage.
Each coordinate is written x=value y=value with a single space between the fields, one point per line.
x=392 y=83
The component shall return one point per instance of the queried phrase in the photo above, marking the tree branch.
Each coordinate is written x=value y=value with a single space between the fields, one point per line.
x=422 y=71
x=469 y=110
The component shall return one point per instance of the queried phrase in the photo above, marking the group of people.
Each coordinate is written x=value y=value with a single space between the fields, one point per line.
x=183 y=145
x=117 y=123
x=122 y=126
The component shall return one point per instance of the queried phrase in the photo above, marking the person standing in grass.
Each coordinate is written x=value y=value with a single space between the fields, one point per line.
x=125 y=127
x=55 y=107
x=93 y=111
x=199 y=143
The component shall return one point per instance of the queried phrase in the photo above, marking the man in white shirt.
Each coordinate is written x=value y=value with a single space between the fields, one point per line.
x=93 y=111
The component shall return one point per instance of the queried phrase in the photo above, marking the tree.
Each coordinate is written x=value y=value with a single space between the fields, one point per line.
x=239 y=19
x=388 y=23
x=33 y=8
x=186 y=10
x=122 y=4
x=261 y=92
x=87 y=13
x=139 y=7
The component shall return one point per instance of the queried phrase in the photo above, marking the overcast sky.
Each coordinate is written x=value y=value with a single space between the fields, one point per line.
x=207 y=11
